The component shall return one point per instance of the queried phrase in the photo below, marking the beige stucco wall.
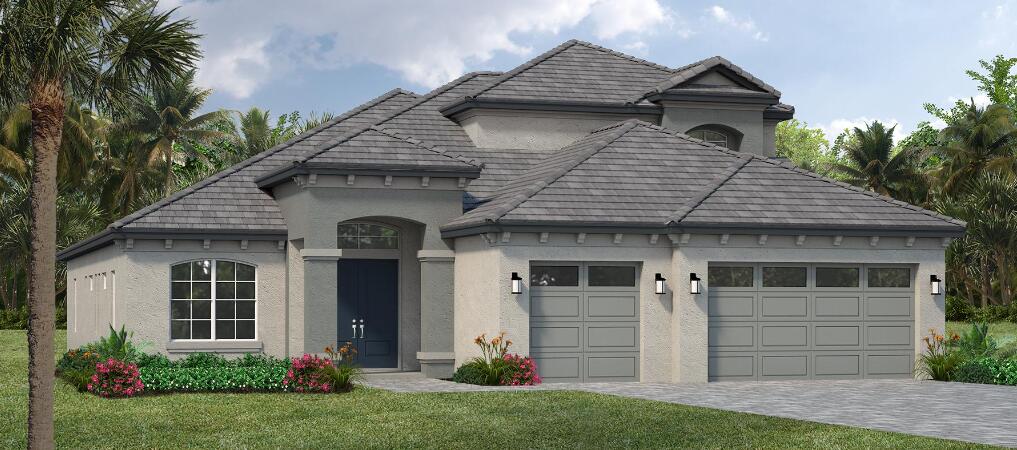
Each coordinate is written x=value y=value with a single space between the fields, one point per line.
x=142 y=298
x=673 y=326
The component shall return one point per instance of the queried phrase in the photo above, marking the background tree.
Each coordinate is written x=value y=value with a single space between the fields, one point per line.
x=98 y=51
x=870 y=161
x=804 y=146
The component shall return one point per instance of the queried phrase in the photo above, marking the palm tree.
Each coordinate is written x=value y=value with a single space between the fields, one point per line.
x=981 y=139
x=99 y=51
x=125 y=180
x=169 y=118
x=871 y=163
x=990 y=206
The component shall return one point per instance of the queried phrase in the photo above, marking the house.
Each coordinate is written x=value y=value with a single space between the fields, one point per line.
x=619 y=219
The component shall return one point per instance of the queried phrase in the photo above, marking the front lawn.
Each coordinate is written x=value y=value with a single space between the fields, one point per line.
x=374 y=418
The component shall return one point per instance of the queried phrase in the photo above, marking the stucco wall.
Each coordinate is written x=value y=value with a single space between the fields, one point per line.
x=91 y=303
x=142 y=298
x=747 y=119
x=534 y=129
x=484 y=303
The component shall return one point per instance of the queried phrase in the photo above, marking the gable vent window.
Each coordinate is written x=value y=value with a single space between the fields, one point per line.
x=213 y=300
x=367 y=236
x=710 y=136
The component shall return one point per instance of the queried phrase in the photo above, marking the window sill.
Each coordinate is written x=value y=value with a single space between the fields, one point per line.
x=214 y=346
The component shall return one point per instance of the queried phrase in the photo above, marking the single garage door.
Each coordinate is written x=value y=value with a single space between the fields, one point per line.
x=819 y=321
x=584 y=321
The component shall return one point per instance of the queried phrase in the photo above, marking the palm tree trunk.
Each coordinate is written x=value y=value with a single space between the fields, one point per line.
x=47 y=104
x=986 y=283
x=169 y=169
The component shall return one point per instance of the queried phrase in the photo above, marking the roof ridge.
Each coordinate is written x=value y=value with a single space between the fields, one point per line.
x=255 y=158
x=437 y=149
x=521 y=197
x=625 y=56
x=792 y=167
x=721 y=179
x=331 y=143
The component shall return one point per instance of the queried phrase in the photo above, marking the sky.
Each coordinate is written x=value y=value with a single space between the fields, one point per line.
x=841 y=64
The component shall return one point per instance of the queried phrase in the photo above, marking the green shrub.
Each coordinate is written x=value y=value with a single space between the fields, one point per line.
x=994 y=313
x=267 y=378
x=978 y=370
x=472 y=372
x=1006 y=372
x=154 y=360
x=203 y=360
x=976 y=342
x=77 y=367
x=17 y=318
x=958 y=309
x=117 y=345
x=940 y=358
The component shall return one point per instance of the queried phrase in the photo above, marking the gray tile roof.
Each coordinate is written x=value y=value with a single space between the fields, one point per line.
x=636 y=174
x=230 y=200
x=577 y=71
x=686 y=73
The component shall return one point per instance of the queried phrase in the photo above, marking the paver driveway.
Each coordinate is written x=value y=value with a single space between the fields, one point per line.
x=968 y=412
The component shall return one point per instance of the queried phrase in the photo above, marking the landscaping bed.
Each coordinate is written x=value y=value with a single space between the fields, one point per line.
x=972 y=353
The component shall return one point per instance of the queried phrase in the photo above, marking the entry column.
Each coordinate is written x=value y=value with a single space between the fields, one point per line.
x=437 y=284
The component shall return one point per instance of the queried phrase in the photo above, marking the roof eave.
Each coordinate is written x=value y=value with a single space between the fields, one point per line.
x=109 y=235
x=285 y=174
x=470 y=103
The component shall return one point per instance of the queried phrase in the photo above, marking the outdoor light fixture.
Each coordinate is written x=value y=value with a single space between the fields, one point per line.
x=517 y=283
x=658 y=282
x=695 y=286
x=937 y=285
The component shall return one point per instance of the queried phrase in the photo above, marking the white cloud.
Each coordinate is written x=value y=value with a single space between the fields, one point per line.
x=248 y=43
x=981 y=100
x=746 y=25
x=837 y=126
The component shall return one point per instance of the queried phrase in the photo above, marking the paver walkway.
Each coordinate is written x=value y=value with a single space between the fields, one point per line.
x=967 y=412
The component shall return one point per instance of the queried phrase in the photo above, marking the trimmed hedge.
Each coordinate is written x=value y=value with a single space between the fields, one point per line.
x=268 y=378
x=987 y=370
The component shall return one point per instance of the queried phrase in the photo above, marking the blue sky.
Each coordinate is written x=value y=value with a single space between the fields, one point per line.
x=839 y=63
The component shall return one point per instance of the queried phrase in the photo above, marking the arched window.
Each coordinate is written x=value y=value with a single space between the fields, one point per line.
x=210 y=292
x=367 y=236
x=721 y=135
x=710 y=136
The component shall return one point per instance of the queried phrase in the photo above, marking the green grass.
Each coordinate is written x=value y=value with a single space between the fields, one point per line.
x=374 y=418
x=1005 y=333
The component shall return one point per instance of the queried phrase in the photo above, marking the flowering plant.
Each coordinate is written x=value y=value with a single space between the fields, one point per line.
x=313 y=374
x=940 y=357
x=520 y=371
x=114 y=378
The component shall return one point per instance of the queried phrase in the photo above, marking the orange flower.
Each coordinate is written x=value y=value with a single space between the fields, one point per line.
x=939 y=337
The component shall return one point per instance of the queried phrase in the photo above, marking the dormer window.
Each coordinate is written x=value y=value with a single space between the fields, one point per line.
x=717 y=134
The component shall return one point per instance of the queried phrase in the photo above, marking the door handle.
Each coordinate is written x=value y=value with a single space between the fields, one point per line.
x=354 y=328
x=361 y=328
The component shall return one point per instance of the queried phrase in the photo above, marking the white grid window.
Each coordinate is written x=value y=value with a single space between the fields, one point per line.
x=210 y=292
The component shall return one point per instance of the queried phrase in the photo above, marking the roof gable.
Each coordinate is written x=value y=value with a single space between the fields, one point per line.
x=701 y=72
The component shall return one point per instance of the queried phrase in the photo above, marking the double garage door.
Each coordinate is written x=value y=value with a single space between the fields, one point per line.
x=788 y=321
x=584 y=321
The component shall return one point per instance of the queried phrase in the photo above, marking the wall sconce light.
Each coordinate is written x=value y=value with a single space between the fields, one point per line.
x=937 y=285
x=695 y=285
x=658 y=282
x=517 y=283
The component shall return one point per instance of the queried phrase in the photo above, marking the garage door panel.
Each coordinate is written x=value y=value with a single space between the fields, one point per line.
x=889 y=335
x=838 y=306
x=837 y=365
x=612 y=306
x=783 y=336
x=889 y=364
x=773 y=366
x=560 y=337
x=888 y=306
x=734 y=336
x=784 y=306
x=611 y=336
x=612 y=367
x=732 y=366
x=555 y=307
x=843 y=329
x=837 y=336
x=740 y=306
x=559 y=367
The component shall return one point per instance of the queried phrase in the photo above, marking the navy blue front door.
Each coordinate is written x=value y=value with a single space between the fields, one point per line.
x=368 y=301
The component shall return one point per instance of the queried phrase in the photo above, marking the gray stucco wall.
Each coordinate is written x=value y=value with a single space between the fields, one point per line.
x=142 y=298
x=747 y=119
x=535 y=129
